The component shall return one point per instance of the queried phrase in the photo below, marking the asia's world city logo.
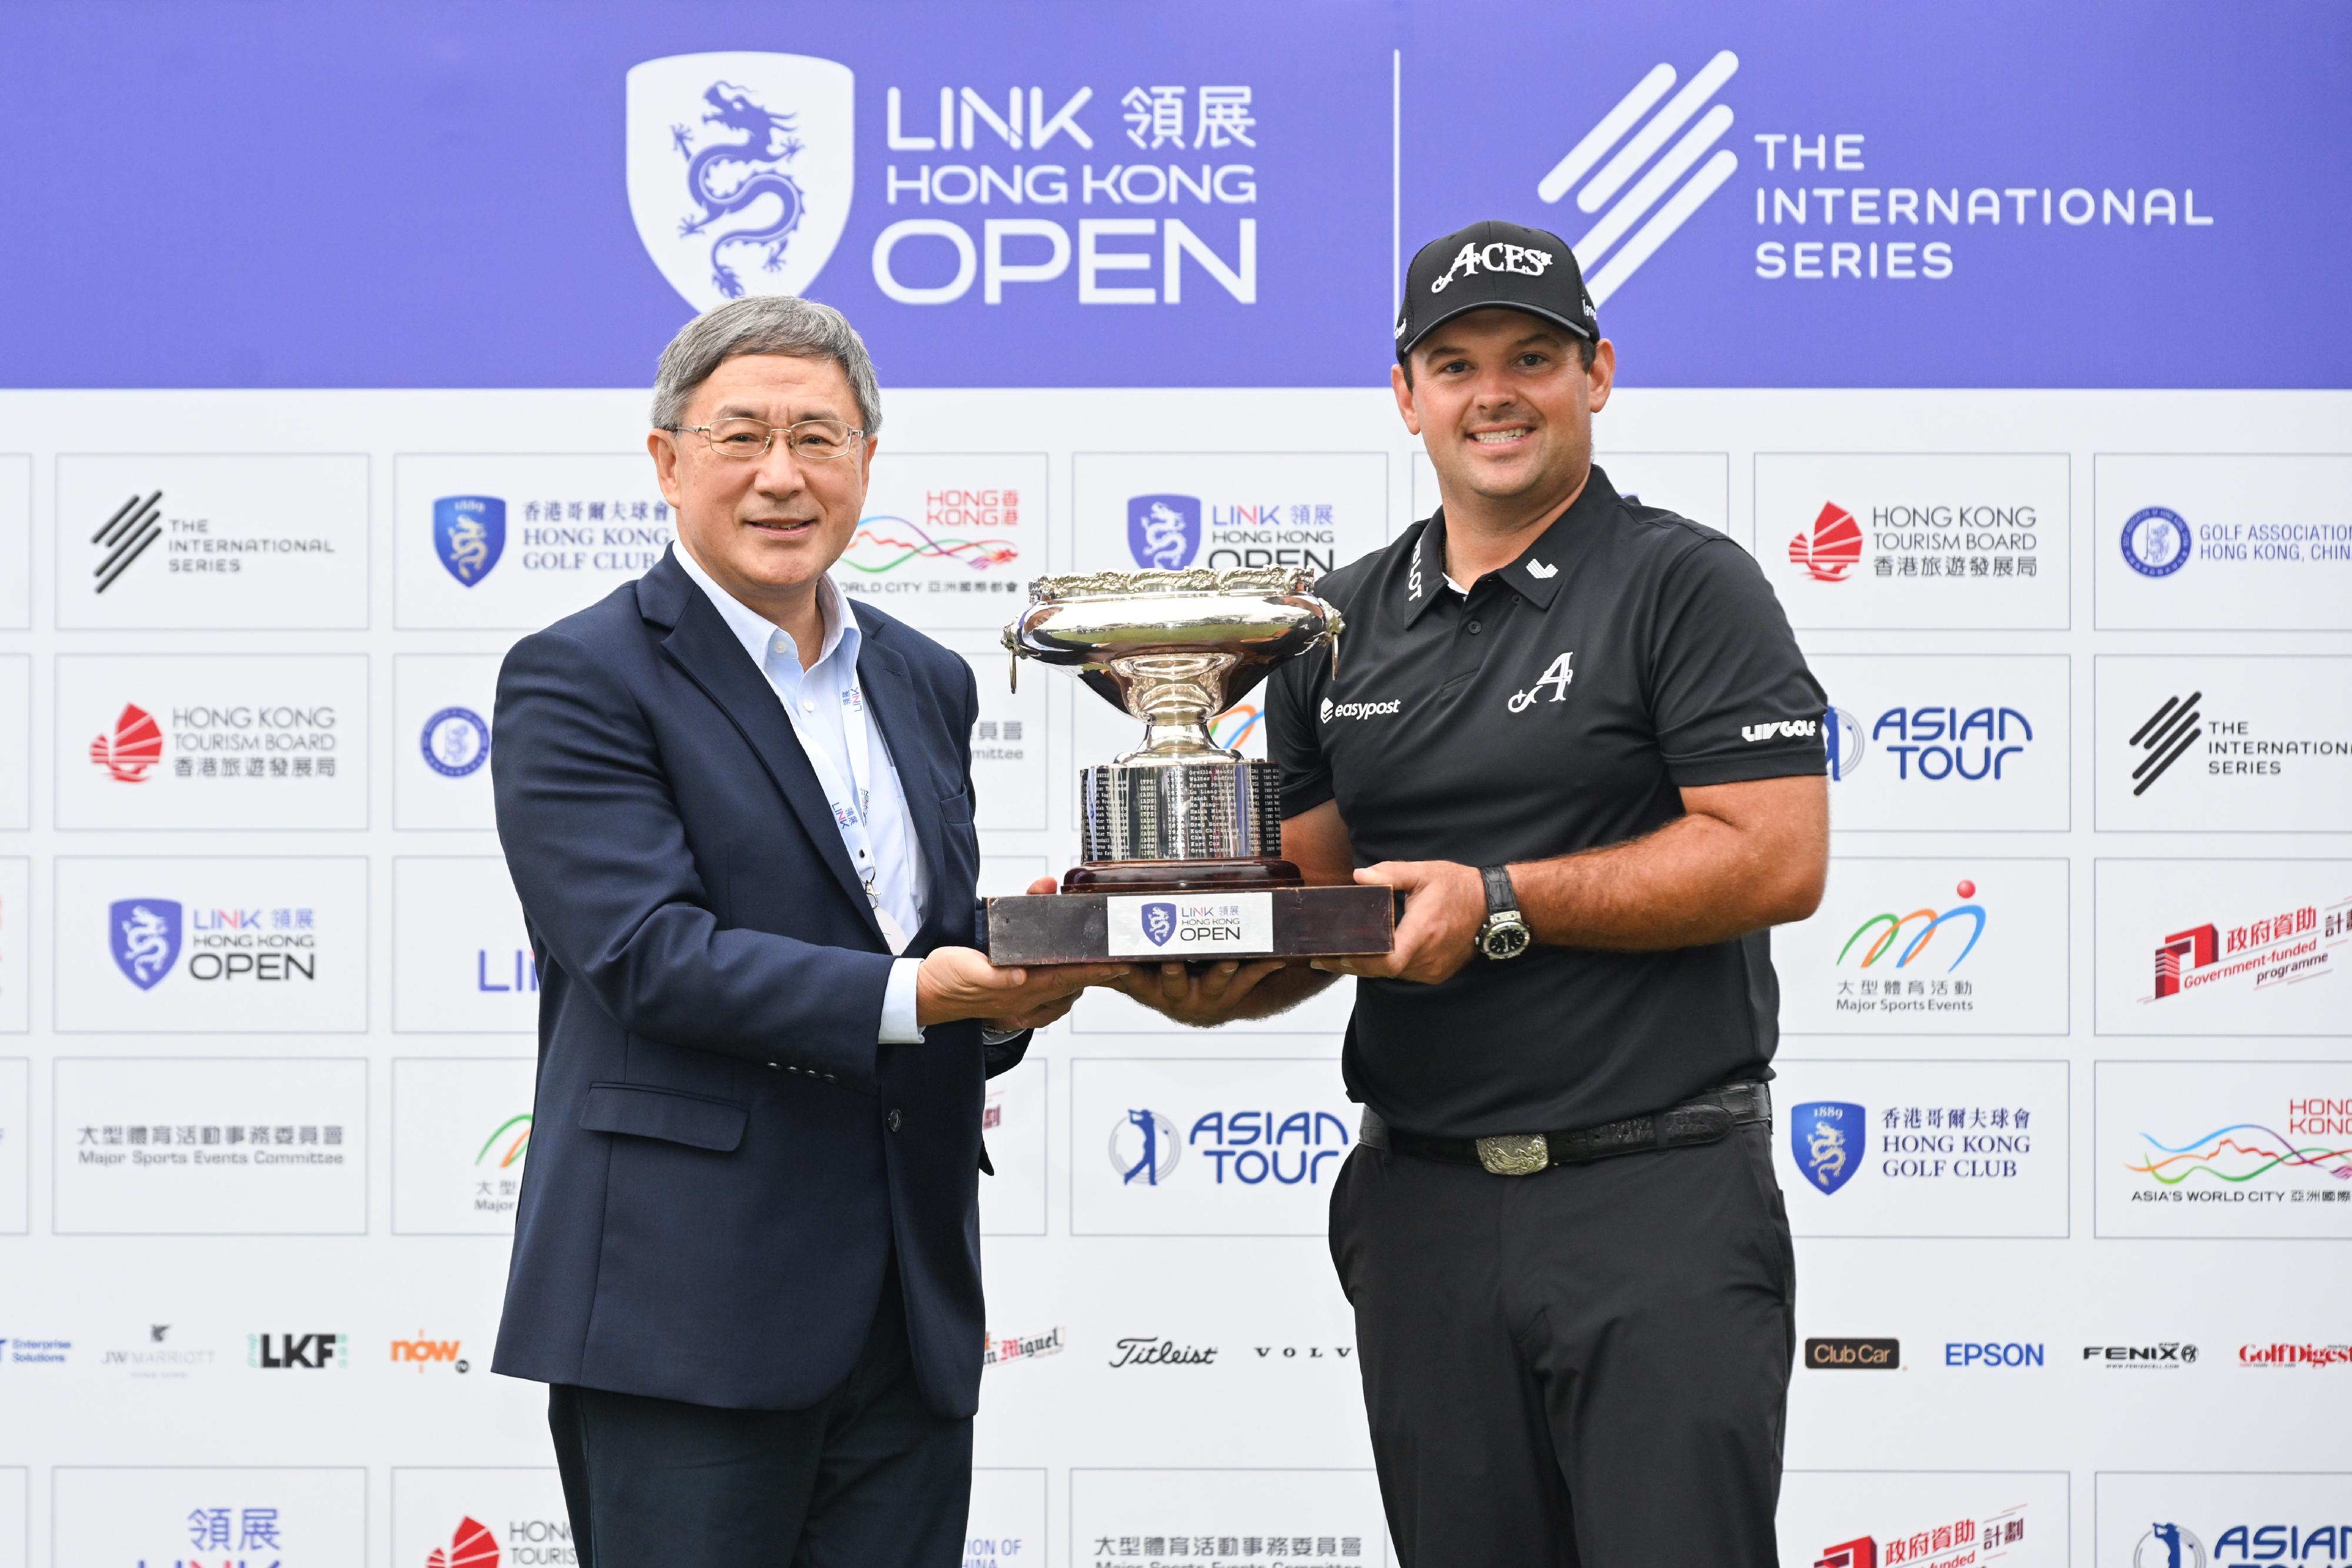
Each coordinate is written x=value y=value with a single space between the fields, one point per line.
x=963 y=534
x=1164 y=531
x=469 y=535
x=455 y=742
x=131 y=749
x=1931 y=744
x=740 y=169
x=1246 y=1148
x=225 y=945
x=2306 y=1157
x=1827 y=1138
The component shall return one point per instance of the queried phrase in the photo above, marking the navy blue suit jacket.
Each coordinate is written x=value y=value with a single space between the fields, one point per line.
x=722 y=1158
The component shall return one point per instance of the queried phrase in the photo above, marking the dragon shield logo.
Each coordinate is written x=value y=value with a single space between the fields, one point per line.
x=1164 y=531
x=469 y=534
x=1826 y=1136
x=144 y=935
x=740 y=167
x=1158 y=923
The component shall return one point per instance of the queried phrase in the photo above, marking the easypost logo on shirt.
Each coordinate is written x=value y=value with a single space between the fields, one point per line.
x=1331 y=710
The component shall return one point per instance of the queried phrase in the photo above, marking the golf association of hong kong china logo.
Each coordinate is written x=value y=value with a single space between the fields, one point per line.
x=740 y=169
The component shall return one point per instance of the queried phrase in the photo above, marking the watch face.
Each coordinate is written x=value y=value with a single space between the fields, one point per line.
x=1505 y=940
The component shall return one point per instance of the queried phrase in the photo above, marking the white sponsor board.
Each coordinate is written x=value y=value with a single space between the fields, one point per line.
x=1935 y=1519
x=15 y=945
x=250 y=742
x=2222 y=744
x=460 y=1138
x=1115 y=1513
x=1167 y=1147
x=213 y=543
x=1004 y=875
x=2221 y=947
x=16 y=1516
x=461 y=955
x=2182 y=1519
x=2218 y=543
x=2230 y=1150
x=212 y=944
x=1013 y=1127
x=949 y=540
x=441 y=708
x=503 y=1517
x=114 y=1516
x=1947 y=946
x=1006 y=1525
x=1010 y=775
x=1904 y=1148
x=515 y=541
x=15 y=1145
x=1313 y=511
x=16 y=557
x=1695 y=485
x=1915 y=541
x=16 y=742
x=210 y=1145
x=1948 y=742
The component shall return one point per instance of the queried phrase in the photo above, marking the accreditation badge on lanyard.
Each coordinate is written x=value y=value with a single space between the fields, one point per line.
x=851 y=805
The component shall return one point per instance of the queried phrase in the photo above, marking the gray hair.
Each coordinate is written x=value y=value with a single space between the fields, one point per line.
x=763 y=324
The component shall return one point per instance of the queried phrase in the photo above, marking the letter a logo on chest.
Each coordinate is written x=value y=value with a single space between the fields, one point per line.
x=1557 y=675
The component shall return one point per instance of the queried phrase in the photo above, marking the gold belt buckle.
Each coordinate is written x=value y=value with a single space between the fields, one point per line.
x=1515 y=1153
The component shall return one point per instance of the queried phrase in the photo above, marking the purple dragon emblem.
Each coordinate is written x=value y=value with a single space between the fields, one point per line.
x=726 y=178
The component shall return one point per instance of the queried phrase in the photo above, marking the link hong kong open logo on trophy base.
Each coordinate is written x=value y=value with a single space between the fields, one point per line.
x=1181 y=838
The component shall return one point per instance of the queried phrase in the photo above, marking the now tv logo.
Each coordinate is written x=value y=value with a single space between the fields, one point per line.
x=421 y=1353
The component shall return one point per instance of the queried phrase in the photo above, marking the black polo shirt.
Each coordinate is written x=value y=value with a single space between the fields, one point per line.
x=1559 y=707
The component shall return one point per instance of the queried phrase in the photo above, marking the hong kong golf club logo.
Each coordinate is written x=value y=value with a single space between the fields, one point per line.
x=1826 y=1138
x=143 y=934
x=469 y=534
x=740 y=170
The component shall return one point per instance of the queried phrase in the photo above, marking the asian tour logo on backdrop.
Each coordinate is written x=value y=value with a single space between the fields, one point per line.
x=1246 y=1148
x=469 y=534
x=1929 y=743
x=741 y=169
x=2307 y=1543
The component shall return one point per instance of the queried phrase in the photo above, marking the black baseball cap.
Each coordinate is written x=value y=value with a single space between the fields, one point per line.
x=1494 y=264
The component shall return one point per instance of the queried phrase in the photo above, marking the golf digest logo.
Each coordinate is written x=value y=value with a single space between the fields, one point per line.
x=1245 y=1148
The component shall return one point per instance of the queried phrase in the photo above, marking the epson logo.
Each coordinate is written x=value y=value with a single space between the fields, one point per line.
x=1794 y=728
x=1332 y=710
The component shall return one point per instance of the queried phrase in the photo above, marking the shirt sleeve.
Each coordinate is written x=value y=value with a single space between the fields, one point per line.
x=899 y=1025
x=1729 y=691
x=1294 y=739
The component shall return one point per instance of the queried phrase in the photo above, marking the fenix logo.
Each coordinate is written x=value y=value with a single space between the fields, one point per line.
x=1792 y=728
x=1332 y=710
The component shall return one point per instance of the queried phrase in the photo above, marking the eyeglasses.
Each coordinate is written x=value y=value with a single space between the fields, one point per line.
x=744 y=439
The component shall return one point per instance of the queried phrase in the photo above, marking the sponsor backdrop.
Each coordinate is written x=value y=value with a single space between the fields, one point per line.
x=2021 y=380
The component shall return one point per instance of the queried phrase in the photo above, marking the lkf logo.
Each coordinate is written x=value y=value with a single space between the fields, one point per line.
x=1935 y=743
x=1827 y=1138
x=2289 y=946
x=131 y=749
x=1616 y=235
x=1164 y=531
x=455 y=742
x=1832 y=548
x=472 y=1546
x=123 y=537
x=144 y=937
x=469 y=534
x=2156 y=542
x=740 y=170
x=305 y=1352
x=1248 y=1147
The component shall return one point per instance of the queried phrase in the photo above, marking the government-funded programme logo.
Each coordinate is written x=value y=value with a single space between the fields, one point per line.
x=2253 y=1161
x=469 y=535
x=741 y=169
x=1907 y=939
x=1935 y=743
x=1849 y=1354
x=2167 y=732
x=1972 y=1353
x=422 y=1353
x=297 y=1351
x=1830 y=547
x=123 y=537
x=2164 y=1355
x=1244 y=1148
x=2284 y=947
x=1620 y=145
x=997 y=1349
x=131 y=749
x=1955 y=1545
x=1828 y=1138
x=472 y=1546
x=455 y=742
x=2156 y=542
x=143 y=934
x=1164 y=531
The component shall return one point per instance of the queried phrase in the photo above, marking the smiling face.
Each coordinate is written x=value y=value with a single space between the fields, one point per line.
x=1503 y=404
x=766 y=529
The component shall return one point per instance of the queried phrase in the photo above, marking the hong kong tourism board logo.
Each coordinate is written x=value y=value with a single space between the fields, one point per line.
x=1238 y=1148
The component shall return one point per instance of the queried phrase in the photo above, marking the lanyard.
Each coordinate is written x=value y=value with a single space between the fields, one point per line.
x=851 y=806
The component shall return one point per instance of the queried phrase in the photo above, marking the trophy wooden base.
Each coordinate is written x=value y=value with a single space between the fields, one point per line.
x=1198 y=911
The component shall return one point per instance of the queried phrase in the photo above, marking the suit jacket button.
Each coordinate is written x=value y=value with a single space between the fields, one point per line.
x=891 y=1121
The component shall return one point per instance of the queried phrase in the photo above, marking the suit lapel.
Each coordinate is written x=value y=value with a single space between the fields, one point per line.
x=700 y=644
x=890 y=693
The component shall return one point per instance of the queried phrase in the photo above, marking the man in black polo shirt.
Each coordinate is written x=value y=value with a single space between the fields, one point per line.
x=1577 y=732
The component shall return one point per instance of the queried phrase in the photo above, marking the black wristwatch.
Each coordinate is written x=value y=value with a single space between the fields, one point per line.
x=1504 y=935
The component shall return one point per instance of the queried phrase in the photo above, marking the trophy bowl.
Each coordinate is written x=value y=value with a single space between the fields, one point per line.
x=1180 y=815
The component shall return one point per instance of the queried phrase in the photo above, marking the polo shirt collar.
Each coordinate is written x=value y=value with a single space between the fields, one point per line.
x=1539 y=587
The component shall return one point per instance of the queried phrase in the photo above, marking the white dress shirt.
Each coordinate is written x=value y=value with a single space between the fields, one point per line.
x=812 y=700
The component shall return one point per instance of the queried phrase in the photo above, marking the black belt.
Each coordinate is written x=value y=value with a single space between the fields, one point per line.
x=1707 y=1119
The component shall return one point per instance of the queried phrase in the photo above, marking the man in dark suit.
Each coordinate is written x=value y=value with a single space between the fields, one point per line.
x=739 y=813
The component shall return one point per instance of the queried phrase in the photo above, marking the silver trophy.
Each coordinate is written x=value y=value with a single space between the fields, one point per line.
x=1181 y=813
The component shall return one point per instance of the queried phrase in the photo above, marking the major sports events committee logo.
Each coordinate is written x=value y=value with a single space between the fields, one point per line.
x=1643 y=212
x=455 y=742
x=469 y=534
x=131 y=749
x=740 y=169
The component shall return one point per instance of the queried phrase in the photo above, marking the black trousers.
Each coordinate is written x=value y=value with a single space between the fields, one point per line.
x=1583 y=1368
x=868 y=1476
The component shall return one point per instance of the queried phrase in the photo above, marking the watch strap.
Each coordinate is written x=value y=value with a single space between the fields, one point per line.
x=1500 y=897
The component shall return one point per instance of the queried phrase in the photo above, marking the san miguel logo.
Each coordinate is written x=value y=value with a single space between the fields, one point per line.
x=1830 y=547
x=131 y=748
